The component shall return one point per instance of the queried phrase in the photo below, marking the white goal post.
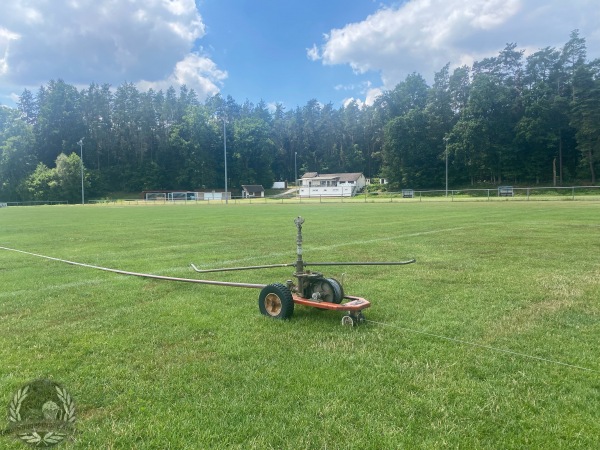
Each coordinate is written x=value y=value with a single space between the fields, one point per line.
x=154 y=196
x=182 y=196
x=175 y=196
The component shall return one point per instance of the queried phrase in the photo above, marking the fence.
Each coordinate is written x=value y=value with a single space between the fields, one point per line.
x=509 y=193
x=572 y=193
x=37 y=203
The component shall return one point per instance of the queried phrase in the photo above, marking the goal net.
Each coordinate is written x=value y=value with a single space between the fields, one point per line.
x=181 y=196
x=153 y=196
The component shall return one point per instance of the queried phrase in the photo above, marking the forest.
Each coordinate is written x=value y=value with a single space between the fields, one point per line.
x=510 y=118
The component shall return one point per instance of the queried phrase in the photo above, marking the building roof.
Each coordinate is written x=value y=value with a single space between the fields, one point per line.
x=252 y=188
x=331 y=176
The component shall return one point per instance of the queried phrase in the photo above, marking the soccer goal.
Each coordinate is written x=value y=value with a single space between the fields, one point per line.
x=181 y=196
x=154 y=196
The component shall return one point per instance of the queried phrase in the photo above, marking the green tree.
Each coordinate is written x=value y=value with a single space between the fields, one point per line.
x=441 y=118
x=459 y=87
x=61 y=183
x=373 y=124
x=586 y=117
x=59 y=123
x=572 y=57
x=17 y=155
x=352 y=140
x=68 y=175
x=541 y=129
x=42 y=184
x=253 y=153
x=96 y=104
x=283 y=166
x=410 y=153
x=28 y=107
x=410 y=94
x=483 y=138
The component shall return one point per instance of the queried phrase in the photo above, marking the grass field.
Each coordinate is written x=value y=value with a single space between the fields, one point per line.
x=155 y=364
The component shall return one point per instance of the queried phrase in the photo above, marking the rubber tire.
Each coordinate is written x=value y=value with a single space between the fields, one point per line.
x=276 y=292
x=348 y=321
x=341 y=294
x=336 y=289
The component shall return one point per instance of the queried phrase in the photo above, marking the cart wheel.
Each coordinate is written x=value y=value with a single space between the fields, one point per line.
x=348 y=321
x=275 y=300
x=329 y=290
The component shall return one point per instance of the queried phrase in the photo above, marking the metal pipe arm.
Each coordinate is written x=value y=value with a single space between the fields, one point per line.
x=366 y=263
x=272 y=266
x=228 y=269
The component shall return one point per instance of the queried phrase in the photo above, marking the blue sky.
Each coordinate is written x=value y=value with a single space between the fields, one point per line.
x=267 y=41
x=284 y=51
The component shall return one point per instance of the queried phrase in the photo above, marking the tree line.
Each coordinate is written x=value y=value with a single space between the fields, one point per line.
x=506 y=119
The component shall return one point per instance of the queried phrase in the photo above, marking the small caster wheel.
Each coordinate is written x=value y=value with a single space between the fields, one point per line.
x=348 y=321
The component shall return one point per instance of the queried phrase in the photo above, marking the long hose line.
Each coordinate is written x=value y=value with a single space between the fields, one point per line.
x=260 y=286
x=137 y=274
x=487 y=347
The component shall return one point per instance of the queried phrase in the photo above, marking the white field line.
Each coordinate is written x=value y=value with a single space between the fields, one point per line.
x=52 y=287
x=291 y=255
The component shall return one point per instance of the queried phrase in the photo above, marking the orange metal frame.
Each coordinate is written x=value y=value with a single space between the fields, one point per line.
x=355 y=303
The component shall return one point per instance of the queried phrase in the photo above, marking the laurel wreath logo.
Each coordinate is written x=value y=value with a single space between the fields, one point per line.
x=48 y=439
x=65 y=418
x=68 y=405
x=14 y=414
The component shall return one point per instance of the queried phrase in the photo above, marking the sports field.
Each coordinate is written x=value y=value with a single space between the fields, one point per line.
x=490 y=340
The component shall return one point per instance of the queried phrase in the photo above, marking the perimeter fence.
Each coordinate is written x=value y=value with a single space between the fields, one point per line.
x=572 y=193
x=34 y=203
x=505 y=193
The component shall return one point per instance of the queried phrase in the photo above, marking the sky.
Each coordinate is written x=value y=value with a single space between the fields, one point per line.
x=277 y=51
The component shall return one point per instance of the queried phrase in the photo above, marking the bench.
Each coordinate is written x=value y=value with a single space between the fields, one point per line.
x=505 y=191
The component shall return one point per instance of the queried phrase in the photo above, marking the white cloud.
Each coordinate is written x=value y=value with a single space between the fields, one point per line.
x=179 y=7
x=112 y=41
x=365 y=88
x=195 y=71
x=419 y=33
x=423 y=35
x=313 y=53
x=370 y=97
x=6 y=36
x=272 y=106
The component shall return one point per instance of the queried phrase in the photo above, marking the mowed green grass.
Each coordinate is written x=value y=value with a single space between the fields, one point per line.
x=156 y=364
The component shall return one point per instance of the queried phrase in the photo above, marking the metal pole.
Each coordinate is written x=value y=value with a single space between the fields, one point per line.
x=299 y=263
x=295 y=169
x=446 y=141
x=225 y=156
x=81 y=156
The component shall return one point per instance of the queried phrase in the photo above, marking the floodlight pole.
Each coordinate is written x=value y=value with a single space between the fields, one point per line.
x=295 y=170
x=225 y=156
x=446 y=153
x=81 y=156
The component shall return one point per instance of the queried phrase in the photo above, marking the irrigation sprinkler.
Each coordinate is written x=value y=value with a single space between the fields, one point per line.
x=277 y=300
x=311 y=288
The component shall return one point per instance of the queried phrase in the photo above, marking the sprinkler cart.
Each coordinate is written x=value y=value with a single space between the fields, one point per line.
x=277 y=300
x=311 y=288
